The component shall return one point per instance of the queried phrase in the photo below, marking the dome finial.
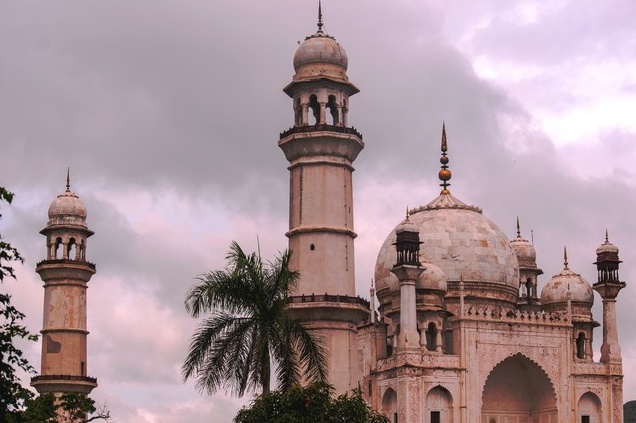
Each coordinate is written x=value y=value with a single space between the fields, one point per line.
x=565 y=257
x=319 y=17
x=606 y=236
x=68 y=179
x=518 y=228
x=444 y=174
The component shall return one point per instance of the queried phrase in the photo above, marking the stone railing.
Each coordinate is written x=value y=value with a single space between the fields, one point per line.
x=67 y=261
x=517 y=316
x=63 y=377
x=422 y=358
x=313 y=298
x=314 y=128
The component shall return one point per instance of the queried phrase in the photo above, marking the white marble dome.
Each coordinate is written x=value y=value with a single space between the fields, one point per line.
x=67 y=208
x=567 y=285
x=460 y=241
x=607 y=248
x=320 y=49
x=525 y=252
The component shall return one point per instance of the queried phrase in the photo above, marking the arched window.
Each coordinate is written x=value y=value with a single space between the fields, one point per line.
x=431 y=337
x=58 y=242
x=333 y=109
x=580 y=346
x=315 y=108
x=72 y=249
x=298 y=113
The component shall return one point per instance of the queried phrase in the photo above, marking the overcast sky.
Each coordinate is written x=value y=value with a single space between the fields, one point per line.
x=168 y=114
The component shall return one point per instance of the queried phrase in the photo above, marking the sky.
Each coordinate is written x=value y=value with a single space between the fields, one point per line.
x=168 y=114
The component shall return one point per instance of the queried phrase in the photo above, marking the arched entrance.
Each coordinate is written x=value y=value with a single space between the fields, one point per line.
x=518 y=390
x=589 y=408
x=389 y=405
x=439 y=406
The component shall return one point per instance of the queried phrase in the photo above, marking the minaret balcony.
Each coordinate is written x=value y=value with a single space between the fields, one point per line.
x=316 y=128
x=338 y=145
x=329 y=307
x=65 y=269
x=64 y=383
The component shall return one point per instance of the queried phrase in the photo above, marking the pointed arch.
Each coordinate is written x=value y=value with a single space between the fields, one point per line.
x=518 y=386
x=389 y=404
x=439 y=405
x=314 y=106
x=589 y=408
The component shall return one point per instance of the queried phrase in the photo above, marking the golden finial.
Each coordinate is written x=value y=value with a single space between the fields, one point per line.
x=565 y=257
x=68 y=179
x=518 y=228
x=319 y=17
x=444 y=174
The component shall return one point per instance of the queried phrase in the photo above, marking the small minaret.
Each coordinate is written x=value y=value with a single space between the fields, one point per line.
x=407 y=269
x=65 y=273
x=608 y=286
x=528 y=270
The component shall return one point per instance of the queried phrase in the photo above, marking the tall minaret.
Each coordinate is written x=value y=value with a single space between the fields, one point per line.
x=321 y=150
x=65 y=273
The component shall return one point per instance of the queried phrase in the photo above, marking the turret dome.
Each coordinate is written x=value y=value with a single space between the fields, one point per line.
x=67 y=209
x=320 y=49
x=524 y=250
x=432 y=278
x=565 y=286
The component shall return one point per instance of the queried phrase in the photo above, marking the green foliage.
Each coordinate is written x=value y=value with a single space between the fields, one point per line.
x=38 y=409
x=12 y=395
x=248 y=324
x=72 y=407
x=310 y=404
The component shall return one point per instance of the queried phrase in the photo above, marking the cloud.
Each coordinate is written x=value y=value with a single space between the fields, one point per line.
x=168 y=114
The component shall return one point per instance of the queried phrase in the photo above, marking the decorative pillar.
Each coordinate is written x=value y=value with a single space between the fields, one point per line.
x=407 y=269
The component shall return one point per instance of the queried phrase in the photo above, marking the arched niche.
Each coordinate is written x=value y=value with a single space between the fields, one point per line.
x=518 y=387
x=589 y=409
x=439 y=406
x=389 y=404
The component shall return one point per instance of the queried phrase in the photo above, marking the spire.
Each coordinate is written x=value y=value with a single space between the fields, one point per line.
x=444 y=174
x=319 y=17
x=68 y=179
x=606 y=236
x=518 y=228
x=565 y=257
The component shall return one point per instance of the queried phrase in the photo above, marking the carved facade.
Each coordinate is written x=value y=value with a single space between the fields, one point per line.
x=463 y=334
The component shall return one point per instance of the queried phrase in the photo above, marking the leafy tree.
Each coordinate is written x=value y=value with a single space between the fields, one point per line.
x=71 y=407
x=248 y=326
x=12 y=394
x=310 y=404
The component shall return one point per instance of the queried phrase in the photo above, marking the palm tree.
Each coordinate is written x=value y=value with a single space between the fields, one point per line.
x=248 y=328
